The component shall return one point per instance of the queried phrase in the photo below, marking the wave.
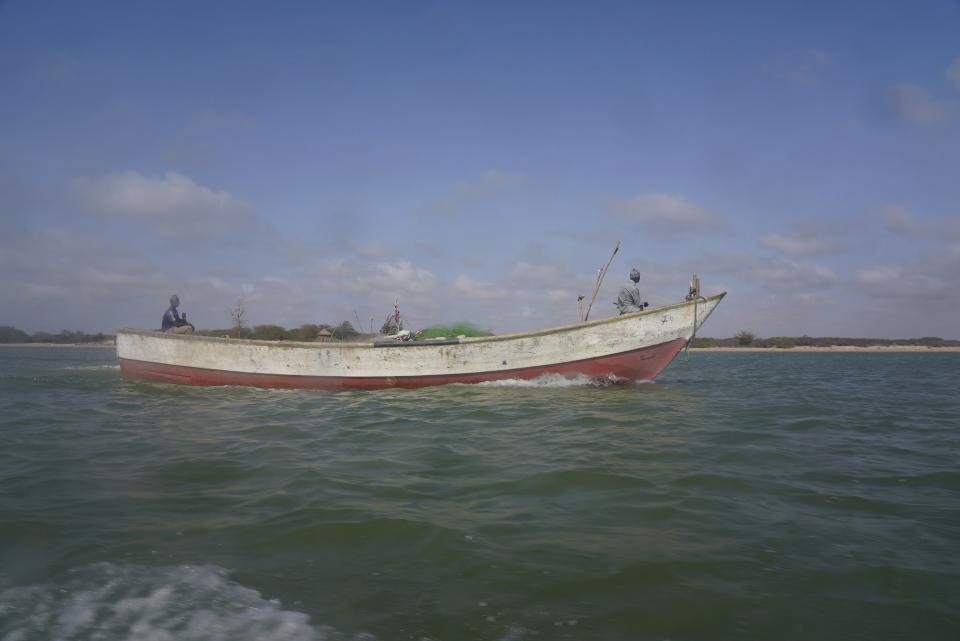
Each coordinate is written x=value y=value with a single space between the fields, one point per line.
x=189 y=603
x=89 y=367
x=555 y=381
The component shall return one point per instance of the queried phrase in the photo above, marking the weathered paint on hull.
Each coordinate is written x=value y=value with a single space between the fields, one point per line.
x=642 y=364
x=634 y=347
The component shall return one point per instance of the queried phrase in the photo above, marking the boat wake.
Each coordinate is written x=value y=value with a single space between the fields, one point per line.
x=557 y=381
x=89 y=367
x=110 y=601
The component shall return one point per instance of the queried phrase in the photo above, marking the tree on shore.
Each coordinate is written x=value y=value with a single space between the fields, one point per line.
x=344 y=331
x=269 y=332
x=304 y=333
x=10 y=334
x=238 y=317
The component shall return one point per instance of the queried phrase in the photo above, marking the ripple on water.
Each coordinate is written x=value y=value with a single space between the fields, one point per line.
x=741 y=496
x=562 y=481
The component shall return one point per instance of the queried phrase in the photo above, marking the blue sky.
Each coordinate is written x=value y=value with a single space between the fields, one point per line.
x=479 y=161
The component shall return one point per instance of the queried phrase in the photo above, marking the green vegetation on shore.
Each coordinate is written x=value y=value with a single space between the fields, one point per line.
x=346 y=331
x=343 y=331
x=749 y=339
x=304 y=333
x=10 y=334
x=450 y=331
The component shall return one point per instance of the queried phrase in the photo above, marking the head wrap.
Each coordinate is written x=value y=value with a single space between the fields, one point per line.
x=634 y=274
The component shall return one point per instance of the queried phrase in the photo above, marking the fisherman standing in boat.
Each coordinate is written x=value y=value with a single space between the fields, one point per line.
x=629 y=298
x=173 y=322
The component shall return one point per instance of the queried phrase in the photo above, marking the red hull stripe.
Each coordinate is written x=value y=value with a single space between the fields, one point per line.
x=636 y=365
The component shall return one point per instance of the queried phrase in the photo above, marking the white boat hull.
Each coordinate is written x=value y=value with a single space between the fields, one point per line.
x=632 y=347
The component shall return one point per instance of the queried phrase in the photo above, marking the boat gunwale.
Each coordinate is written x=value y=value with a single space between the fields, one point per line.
x=370 y=344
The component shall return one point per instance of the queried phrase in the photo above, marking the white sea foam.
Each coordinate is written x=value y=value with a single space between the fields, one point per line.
x=555 y=380
x=75 y=367
x=107 y=601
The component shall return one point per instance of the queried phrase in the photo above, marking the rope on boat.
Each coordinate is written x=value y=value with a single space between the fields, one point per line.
x=686 y=348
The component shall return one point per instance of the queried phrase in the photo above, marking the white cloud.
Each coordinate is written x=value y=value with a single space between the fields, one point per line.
x=214 y=283
x=929 y=280
x=495 y=179
x=173 y=206
x=916 y=106
x=80 y=284
x=799 y=245
x=877 y=275
x=391 y=278
x=953 y=73
x=371 y=249
x=952 y=230
x=471 y=289
x=468 y=194
x=111 y=277
x=94 y=284
x=667 y=213
x=801 y=67
x=560 y=296
x=900 y=221
x=801 y=275
x=774 y=272
x=536 y=274
x=42 y=290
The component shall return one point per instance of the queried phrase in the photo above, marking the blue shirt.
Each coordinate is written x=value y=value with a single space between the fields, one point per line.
x=171 y=318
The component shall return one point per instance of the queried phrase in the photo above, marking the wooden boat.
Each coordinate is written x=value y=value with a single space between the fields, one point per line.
x=632 y=347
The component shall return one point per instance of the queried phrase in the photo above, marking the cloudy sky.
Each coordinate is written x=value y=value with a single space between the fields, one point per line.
x=479 y=161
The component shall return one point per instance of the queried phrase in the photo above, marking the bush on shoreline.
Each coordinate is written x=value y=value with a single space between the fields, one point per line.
x=345 y=331
x=305 y=333
x=10 y=334
x=787 y=342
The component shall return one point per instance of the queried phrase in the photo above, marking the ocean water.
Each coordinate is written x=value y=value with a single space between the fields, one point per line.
x=741 y=496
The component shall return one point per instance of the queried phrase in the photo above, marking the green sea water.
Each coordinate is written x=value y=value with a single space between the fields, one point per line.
x=741 y=496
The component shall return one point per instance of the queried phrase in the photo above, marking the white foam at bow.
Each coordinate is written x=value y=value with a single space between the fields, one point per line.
x=554 y=380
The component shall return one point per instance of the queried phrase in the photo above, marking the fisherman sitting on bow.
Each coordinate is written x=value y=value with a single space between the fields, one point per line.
x=629 y=298
x=173 y=321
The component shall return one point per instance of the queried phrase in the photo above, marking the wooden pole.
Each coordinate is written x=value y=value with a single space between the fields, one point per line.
x=600 y=276
x=580 y=306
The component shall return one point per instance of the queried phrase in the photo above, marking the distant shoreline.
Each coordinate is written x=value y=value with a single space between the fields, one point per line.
x=110 y=345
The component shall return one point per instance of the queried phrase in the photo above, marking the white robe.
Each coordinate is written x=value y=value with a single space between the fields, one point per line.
x=629 y=299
